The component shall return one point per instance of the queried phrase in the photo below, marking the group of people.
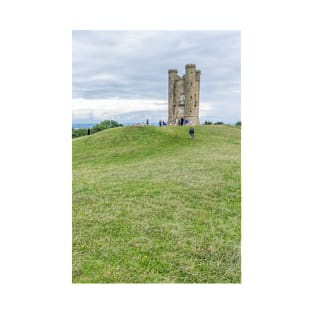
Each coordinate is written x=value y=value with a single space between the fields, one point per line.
x=162 y=123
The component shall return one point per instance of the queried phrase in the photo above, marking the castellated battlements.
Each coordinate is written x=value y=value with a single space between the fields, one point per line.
x=183 y=96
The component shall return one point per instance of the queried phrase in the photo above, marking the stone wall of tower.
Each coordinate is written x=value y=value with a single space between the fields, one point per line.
x=184 y=95
x=172 y=73
x=179 y=92
x=197 y=97
x=190 y=91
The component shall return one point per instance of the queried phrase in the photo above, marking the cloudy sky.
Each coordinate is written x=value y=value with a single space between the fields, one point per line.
x=123 y=75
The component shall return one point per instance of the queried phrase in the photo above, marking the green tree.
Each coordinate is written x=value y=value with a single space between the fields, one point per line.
x=105 y=125
x=79 y=132
x=98 y=127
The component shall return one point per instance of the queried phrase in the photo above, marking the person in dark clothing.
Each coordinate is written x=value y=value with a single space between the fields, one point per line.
x=191 y=133
x=160 y=123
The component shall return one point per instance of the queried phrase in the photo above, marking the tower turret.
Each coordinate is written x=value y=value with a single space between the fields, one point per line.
x=198 y=73
x=197 y=98
x=191 y=94
x=172 y=73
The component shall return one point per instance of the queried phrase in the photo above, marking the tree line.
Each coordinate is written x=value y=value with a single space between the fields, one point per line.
x=79 y=132
x=219 y=123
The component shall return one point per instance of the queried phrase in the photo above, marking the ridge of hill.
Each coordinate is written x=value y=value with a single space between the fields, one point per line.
x=149 y=205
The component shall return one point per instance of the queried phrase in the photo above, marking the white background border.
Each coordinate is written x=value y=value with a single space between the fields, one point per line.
x=35 y=219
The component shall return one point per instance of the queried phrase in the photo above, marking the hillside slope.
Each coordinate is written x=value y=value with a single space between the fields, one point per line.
x=149 y=205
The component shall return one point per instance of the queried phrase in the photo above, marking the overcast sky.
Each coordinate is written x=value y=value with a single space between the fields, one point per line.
x=123 y=75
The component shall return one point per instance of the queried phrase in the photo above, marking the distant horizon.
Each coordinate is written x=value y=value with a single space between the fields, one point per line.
x=129 y=123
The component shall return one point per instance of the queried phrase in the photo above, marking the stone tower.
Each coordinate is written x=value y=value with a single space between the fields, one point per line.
x=183 y=96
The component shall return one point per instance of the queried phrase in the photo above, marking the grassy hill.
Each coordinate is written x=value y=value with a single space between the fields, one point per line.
x=151 y=206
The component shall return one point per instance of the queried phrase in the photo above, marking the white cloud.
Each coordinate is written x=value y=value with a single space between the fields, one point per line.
x=125 y=109
x=103 y=77
x=100 y=109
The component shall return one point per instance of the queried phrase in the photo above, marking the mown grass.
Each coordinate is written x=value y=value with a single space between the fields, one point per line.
x=151 y=206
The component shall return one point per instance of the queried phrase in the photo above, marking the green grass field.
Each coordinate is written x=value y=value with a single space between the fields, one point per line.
x=151 y=206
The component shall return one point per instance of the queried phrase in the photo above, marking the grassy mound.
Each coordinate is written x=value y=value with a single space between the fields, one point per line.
x=150 y=206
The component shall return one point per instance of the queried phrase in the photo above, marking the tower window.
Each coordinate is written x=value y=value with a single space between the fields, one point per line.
x=190 y=84
x=190 y=97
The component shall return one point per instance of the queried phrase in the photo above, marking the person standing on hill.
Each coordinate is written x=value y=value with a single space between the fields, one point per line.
x=191 y=133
